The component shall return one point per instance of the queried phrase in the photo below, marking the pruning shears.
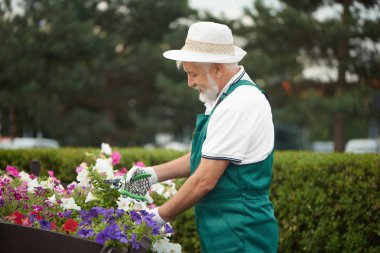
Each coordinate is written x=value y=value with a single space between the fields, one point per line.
x=134 y=179
x=136 y=188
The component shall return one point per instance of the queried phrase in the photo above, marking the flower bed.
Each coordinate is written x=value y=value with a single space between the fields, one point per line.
x=87 y=213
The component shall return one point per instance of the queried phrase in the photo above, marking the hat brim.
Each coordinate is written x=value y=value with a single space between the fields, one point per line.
x=191 y=56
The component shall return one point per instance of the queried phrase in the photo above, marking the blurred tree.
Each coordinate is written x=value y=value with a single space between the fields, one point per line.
x=84 y=72
x=283 y=43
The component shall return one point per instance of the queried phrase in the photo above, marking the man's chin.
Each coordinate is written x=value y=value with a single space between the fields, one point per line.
x=205 y=99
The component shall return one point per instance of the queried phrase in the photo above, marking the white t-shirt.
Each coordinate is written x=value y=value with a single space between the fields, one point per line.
x=241 y=128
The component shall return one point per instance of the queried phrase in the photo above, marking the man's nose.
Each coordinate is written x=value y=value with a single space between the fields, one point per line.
x=190 y=82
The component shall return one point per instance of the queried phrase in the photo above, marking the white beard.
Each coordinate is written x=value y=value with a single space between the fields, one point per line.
x=208 y=96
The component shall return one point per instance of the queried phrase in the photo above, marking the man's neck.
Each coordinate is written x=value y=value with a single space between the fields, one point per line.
x=227 y=77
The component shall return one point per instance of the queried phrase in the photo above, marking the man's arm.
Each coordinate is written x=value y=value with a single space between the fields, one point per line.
x=195 y=188
x=177 y=168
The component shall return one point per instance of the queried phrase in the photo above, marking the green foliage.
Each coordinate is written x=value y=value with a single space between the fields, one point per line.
x=327 y=202
x=64 y=161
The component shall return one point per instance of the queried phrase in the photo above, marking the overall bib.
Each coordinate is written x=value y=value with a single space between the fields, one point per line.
x=237 y=215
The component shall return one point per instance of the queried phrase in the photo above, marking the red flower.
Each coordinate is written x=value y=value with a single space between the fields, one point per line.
x=53 y=226
x=36 y=214
x=16 y=218
x=70 y=226
x=26 y=222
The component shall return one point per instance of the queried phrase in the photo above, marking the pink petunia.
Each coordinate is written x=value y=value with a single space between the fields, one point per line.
x=26 y=222
x=12 y=170
x=115 y=158
x=78 y=169
x=51 y=174
x=140 y=164
x=120 y=172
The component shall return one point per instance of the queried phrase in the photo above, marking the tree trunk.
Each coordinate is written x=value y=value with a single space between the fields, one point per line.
x=339 y=132
x=338 y=125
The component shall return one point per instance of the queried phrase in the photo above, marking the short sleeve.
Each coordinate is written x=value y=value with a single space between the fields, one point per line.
x=227 y=135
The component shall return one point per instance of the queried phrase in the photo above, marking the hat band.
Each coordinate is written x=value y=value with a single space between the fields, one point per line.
x=209 y=48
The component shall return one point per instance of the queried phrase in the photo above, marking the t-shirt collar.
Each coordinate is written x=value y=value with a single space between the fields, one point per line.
x=234 y=79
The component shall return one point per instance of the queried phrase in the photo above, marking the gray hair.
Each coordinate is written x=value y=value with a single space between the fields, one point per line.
x=229 y=66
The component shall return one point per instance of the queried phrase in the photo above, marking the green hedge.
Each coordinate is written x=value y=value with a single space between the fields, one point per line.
x=64 y=161
x=323 y=202
x=327 y=202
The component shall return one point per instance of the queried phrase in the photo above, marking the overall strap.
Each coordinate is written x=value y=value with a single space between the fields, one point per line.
x=235 y=85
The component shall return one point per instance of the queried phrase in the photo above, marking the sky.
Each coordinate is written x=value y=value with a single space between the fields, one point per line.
x=231 y=8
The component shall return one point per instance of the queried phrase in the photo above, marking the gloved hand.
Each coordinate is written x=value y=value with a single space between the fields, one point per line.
x=135 y=170
x=157 y=218
x=136 y=183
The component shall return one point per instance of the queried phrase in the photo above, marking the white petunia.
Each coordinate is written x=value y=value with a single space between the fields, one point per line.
x=104 y=166
x=48 y=184
x=166 y=189
x=106 y=149
x=25 y=176
x=52 y=199
x=165 y=246
x=139 y=205
x=175 y=248
x=124 y=203
x=90 y=197
x=149 y=198
x=83 y=179
x=159 y=188
x=69 y=203
x=161 y=246
x=170 y=192
x=33 y=184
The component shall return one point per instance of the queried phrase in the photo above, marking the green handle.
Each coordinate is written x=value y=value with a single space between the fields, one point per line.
x=140 y=176
x=131 y=195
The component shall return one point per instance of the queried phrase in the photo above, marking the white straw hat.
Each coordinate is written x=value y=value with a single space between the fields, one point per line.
x=208 y=42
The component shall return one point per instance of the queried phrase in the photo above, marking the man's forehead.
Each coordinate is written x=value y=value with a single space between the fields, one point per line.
x=191 y=67
x=188 y=66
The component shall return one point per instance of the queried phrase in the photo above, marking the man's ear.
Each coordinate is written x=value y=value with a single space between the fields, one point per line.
x=219 y=69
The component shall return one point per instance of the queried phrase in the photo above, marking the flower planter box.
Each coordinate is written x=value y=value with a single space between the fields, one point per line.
x=20 y=239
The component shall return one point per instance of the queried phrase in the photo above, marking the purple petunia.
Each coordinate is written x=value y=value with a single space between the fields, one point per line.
x=148 y=218
x=168 y=229
x=133 y=241
x=109 y=215
x=135 y=217
x=111 y=232
x=96 y=211
x=101 y=238
x=124 y=239
x=45 y=224
x=119 y=212
x=67 y=214
x=85 y=233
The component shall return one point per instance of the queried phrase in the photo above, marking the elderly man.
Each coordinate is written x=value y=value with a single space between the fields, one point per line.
x=230 y=165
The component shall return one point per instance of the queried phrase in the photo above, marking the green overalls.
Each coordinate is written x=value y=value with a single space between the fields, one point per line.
x=237 y=215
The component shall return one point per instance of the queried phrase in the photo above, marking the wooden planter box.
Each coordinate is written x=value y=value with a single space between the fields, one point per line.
x=20 y=239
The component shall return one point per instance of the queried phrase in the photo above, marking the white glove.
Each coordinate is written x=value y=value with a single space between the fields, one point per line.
x=149 y=170
x=157 y=218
